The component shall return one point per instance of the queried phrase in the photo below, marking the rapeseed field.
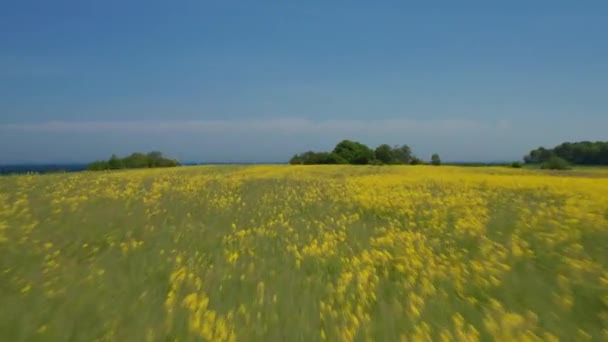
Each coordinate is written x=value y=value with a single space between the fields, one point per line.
x=305 y=253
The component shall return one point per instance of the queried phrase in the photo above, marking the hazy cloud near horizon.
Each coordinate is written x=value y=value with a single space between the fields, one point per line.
x=274 y=140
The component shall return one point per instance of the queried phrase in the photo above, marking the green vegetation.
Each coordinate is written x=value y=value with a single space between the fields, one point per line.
x=555 y=163
x=558 y=158
x=516 y=165
x=416 y=161
x=133 y=161
x=577 y=153
x=356 y=153
x=311 y=158
x=435 y=160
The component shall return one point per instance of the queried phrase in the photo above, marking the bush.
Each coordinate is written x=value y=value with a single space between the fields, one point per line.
x=582 y=152
x=416 y=161
x=313 y=158
x=331 y=158
x=392 y=155
x=516 y=165
x=435 y=160
x=354 y=152
x=383 y=154
x=296 y=160
x=98 y=166
x=555 y=163
x=134 y=161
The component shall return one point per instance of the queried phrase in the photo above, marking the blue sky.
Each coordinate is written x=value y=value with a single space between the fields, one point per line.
x=261 y=80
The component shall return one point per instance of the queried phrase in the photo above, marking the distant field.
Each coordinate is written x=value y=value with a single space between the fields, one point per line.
x=305 y=253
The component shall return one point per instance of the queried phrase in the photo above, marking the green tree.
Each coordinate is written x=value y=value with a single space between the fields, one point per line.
x=539 y=155
x=582 y=152
x=330 y=158
x=296 y=160
x=165 y=162
x=555 y=163
x=354 y=152
x=309 y=158
x=435 y=160
x=134 y=161
x=155 y=158
x=402 y=154
x=155 y=155
x=312 y=158
x=416 y=161
x=115 y=163
x=602 y=156
x=384 y=154
x=98 y=165
x=137 y=161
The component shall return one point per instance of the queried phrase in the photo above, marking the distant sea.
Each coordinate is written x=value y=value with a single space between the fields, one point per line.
x=60 y=168
x=41 y=168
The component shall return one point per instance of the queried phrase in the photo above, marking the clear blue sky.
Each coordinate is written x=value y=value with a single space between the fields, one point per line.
x=261 y=80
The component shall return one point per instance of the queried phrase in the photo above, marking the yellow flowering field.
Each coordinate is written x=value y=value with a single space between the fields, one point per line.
x=305 y=253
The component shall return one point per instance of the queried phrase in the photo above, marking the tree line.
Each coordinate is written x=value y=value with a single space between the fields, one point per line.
x=578 y=153
x=134 y=161
x=356 y=153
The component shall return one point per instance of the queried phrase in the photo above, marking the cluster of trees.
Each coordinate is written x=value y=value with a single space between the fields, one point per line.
x=580 y=153
x=134 y=161
x=353 y=152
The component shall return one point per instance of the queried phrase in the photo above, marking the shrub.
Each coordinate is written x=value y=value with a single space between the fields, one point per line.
x=416 y=161
x=555 y=163
x=435 y=160
x=98 y=166
x=354 y=152
x=134 y=161
x=313 y=158
x=516 y=165
x=296 y=160
x=383 y=154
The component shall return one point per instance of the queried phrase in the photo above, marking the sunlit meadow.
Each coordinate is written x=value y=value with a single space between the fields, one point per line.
x=305 y=253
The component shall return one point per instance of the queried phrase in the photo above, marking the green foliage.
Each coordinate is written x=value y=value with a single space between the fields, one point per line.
x=384 y=154
x=516 y=165
x=435 y=160
x=115 y=163
x=582 y=153
x=332 y=158
x=402 y=154
x=98 y=166
x=555 y=163
x=393 y=155
x=312 y=158
x=133 y=161
x=137 y=161
x=539 y=155
x=416 y=161
x=296 y=160
x=354 y=152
